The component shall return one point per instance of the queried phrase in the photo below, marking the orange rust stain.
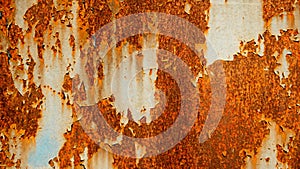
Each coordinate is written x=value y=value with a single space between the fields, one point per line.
x=92 y=15
x=273 y=8
x=256 y=90
x=72 y=44
x=38 y=18
x=186 y=153
x=76 y=142
x=7 y=9
x=20 y=110
x=67 y=85
x=15 y=33
x=89 y=23
x=253 y=89
x=77 y=139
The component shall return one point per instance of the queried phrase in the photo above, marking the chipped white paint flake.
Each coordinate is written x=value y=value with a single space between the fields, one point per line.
x=187 y=8
x=283 y=69
x=21 y=7
x=102 y=158
x=140 y=150
x=131 y=82
x=233 y=22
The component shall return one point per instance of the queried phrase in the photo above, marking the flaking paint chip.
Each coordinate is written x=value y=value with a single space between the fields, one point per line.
x=187 y=8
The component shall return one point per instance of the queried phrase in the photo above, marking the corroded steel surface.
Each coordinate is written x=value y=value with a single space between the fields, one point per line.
x=43 y=56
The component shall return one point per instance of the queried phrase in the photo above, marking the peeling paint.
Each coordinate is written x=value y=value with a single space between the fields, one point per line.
x=46 y=71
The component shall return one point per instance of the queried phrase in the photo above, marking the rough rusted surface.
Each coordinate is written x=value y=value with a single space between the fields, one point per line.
x=287 y=102
x=89 y=21
x=78 y=139
x=39 y=17
x=197 y=14
x=273 y=8
x=7 y=9
x=255 y=91
x=19 y=112
x=185 y=153
x=20 y=109
x=15 y=35
x=252 y=93
x=76 y=142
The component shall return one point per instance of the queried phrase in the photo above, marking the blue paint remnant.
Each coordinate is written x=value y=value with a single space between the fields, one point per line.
x=46 y=148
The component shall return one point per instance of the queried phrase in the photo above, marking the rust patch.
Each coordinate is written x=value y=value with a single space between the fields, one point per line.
x=39 y=17
x=76 y=142
x=15 y=33
x=273 y=8
x=72 y=44
x=89 y=20
x=254 y=90
x=7 y=9
x=20 y=112
x=77 y=138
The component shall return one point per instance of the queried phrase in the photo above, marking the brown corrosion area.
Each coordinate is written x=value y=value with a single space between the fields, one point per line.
x=76 y=142
x=79 y=138
x=197 y=14
x=89 y=22
x=240 y=128
x=20 y=112
x=7 y=9
x=273 y=8
x=10 y=33
x=88 y=18
x=253 y=88
x=287 y=114
x=38 y=18
x=253 y=91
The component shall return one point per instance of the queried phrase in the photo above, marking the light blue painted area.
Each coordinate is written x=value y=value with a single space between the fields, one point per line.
x=46 y=148
x=50 y=137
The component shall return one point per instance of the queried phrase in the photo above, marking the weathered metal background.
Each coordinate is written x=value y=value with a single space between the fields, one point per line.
x=45 y=71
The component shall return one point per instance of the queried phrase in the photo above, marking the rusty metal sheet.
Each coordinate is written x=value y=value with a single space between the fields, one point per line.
x=149 y=84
